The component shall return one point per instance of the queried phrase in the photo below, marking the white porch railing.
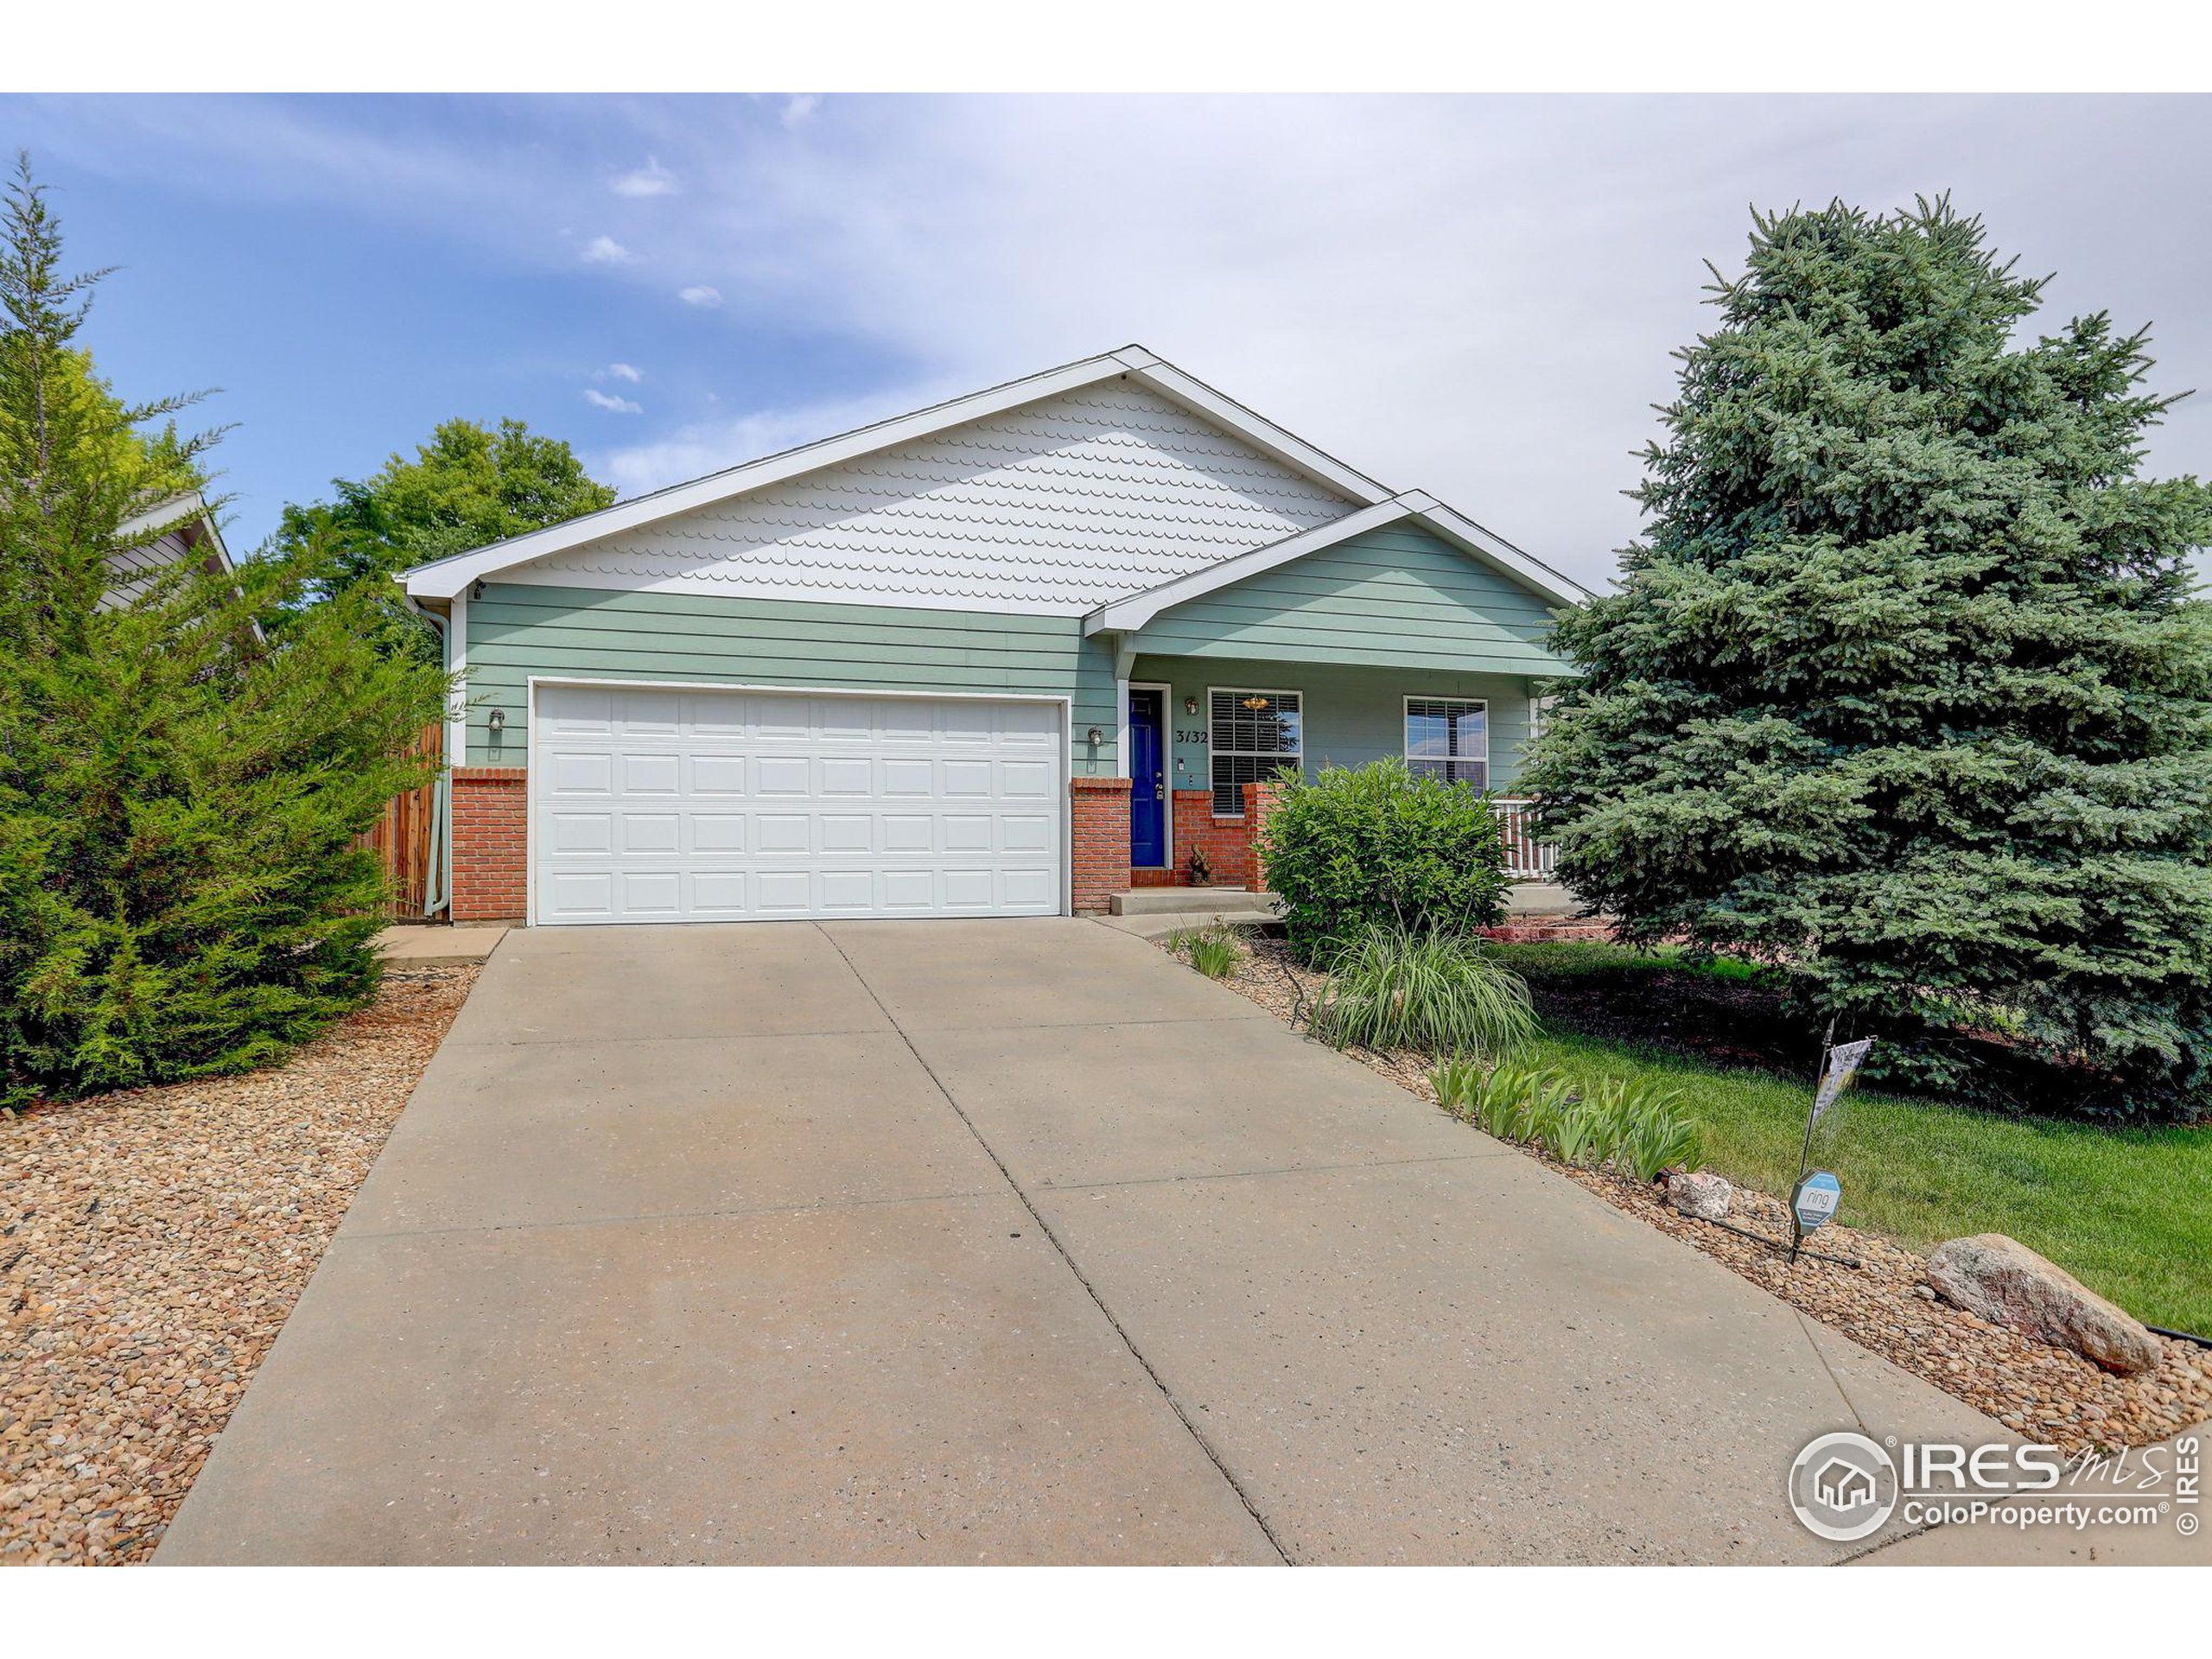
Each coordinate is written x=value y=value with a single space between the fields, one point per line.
x=1527 y=859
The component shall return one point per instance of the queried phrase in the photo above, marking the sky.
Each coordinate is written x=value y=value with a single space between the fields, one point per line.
x=1474 y=296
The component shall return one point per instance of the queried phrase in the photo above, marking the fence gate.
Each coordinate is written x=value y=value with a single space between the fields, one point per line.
x=405 y=838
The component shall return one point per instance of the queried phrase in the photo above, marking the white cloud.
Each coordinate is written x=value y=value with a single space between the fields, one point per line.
x=651 y=179
x=799 y=106
x=606 y=251
x=700 y=293
x=708 y=446
x=611 y=404
x=623 y=371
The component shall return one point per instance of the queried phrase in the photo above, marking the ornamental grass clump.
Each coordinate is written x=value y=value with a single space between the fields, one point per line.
x=1439 y=993
x=1214 y=952
x=1634 y=1126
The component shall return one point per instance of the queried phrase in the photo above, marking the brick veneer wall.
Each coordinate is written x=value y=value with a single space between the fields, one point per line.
x=1259 y=801
x=1098 y=833
x=491 y=813
x=1227 y=847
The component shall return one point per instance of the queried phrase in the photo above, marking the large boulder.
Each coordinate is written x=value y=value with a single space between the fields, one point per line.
x=1700 y=1193
x=2006 y=1283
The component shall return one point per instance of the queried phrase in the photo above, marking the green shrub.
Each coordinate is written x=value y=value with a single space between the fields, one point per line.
x=1214 y=952
x=1440 y=992
x=1354 y=848
x=182 y=779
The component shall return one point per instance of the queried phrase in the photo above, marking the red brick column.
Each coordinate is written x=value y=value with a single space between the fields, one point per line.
x=1258 y=802
x=1098 y=824
x=491 y=813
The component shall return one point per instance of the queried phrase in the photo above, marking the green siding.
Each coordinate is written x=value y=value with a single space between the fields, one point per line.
x=516 y=630
x=1353 y=716
x=1395 y=597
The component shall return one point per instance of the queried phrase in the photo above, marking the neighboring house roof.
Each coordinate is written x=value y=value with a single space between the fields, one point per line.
x=1109 y=478
x=187 y=531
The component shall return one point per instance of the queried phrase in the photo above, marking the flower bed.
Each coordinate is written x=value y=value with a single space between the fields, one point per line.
x=2040 y=1392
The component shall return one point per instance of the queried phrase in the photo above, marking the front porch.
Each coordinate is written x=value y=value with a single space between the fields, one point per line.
x=1199 y=737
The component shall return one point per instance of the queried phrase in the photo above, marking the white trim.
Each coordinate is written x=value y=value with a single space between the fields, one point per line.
x=445 y=577
x=1130 y=614
x=1121 y=732
x=179 y=513
x=457 y=664
x=788 y=593
x=1406 y=712
x=531 y=682
x=1166 y=759
x=1212 y=750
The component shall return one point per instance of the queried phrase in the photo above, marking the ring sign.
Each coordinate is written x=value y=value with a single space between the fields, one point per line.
x=1815 y=1199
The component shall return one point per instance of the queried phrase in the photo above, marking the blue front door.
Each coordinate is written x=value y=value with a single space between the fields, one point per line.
x=1147 y=783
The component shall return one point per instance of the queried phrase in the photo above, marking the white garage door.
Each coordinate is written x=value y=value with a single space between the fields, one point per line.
x=728 y=806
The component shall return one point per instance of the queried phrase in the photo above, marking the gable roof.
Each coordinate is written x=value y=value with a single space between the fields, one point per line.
x=166 y=533
x=1128 y=614
x=1046 y=509
x=447 y=577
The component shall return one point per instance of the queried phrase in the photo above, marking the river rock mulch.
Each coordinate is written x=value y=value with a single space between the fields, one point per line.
x=2041 y=1393
x=152 y=1243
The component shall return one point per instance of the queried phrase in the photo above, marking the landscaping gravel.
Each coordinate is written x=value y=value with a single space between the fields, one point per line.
x=2044 y=1394
x=152 y=1243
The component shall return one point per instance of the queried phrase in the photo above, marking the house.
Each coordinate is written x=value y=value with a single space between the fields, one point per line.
x=1007 y=656
x=1843 y=1485
x=177 y=530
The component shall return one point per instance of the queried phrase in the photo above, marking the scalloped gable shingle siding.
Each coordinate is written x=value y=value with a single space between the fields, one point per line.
x=1057 y=506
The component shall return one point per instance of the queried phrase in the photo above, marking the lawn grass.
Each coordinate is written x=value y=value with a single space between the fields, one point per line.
x=2127 y=1211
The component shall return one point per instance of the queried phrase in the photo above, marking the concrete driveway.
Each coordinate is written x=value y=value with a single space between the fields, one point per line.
x=991 y=1242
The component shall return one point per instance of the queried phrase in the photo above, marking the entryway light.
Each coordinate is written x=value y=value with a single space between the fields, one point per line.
x=1097 y=736
x=1190 y=705
x=497 y=720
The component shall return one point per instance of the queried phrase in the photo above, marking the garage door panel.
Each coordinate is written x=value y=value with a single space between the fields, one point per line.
x=1028 y=832
x=568 y=773
x=1026 y=780
x=666 y=806
x=968 y=779
x=718 y=895
x=649 y=773
x=651 y=832
x=849 y=775
x=783 y=832
x=717 y=774
x=1027 y=889
x=580 y=832
x=783 y=775
x=845 y=832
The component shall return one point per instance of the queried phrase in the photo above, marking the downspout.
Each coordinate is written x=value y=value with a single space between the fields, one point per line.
x=437 y=886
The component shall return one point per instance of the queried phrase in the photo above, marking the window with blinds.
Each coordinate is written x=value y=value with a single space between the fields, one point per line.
x=1252 y=735
x=1449 y=738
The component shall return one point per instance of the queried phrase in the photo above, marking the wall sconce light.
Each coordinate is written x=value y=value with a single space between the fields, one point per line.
x=1190 y=705
x=497 y=720
x=1096 y=737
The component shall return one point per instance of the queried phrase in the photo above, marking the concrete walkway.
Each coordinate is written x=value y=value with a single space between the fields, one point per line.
x=991 y=1242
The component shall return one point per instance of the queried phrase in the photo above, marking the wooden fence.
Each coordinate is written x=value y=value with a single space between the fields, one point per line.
x=405 y=836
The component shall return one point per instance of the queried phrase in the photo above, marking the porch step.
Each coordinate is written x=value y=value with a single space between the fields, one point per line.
x=1160 y=924
x=1189 y=901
